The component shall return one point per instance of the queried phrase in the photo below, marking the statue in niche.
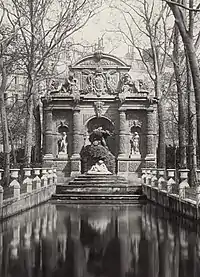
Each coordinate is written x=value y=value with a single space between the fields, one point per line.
x=99 y=168
x=71 y=85
x=127 y=84
x=135 y=141
x=62 y=144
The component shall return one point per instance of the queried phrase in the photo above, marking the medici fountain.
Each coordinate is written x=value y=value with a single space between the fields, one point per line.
x=99 y=130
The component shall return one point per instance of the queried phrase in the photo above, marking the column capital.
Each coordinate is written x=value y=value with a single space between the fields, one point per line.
x=77 y=109
x=150 y=109
x=122 y=109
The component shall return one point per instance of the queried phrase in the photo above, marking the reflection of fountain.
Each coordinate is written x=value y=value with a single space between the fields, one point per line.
x=99 y=225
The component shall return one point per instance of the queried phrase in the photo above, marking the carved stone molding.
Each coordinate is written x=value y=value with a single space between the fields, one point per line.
x=135 y=123
x=98 y=106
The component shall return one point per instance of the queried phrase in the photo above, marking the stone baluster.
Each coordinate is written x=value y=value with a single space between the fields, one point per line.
x=122 y=134
x=77 y=142
x=183 y=182
x=171 y=180
x=44 y=178
x=150 y=150
x=154 y=178
x=161 y=179
x=27 y=180
x=37 y=180
x=48 y=143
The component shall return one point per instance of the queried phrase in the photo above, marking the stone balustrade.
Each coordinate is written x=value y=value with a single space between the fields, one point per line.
x=36 y=186
x=164 y=188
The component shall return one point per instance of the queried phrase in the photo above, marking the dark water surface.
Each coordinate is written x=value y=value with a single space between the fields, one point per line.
x=106 y=241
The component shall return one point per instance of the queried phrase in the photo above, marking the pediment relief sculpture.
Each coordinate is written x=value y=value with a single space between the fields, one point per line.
x=100 y=82
x=126 y=84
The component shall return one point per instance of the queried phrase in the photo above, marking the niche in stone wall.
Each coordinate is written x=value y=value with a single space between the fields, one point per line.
x=63 y=140
x=106 y=124
x=135 y=141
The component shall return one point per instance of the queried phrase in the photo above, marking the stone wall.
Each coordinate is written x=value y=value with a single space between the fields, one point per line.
x=177 y=196
x=37 y=189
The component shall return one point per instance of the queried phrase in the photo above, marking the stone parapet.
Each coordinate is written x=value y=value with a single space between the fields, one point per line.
x=176 y=197
x=32 y=191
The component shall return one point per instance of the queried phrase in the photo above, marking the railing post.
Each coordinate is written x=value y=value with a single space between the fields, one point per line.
x=44 y=178
x=148 y=177
x=184 y=182
x=28 y=181
x=16 y=188
x=37 y=179
x=171 y=180
x=14 y=172
x=154 y=178
x=161 y=179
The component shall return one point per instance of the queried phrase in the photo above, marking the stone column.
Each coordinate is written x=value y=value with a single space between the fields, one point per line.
x=48 y=134
x=76 y=142
x=150 y=141
x=122 y=134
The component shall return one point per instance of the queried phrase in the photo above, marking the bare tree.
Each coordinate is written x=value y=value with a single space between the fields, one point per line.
x=148 y=31
x=178 y=10
x=177 y=55
x=45 y=25
x=7 y=58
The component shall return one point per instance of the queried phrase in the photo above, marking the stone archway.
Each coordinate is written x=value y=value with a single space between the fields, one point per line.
x=106 y=124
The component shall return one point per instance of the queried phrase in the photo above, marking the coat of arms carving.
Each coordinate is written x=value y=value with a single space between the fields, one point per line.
x=99 y=82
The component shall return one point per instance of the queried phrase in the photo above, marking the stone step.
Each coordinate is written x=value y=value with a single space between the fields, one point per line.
x=98 y=190
x=91 y=197
x=96 y=183
x=103 y=176
x=100 y=185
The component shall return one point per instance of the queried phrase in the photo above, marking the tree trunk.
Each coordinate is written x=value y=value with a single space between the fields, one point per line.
x=161 y=153
x=29 y=130
x=37 y=153
x=192 y=157
x=4 y=123
x=181 y=106
x=192 y=59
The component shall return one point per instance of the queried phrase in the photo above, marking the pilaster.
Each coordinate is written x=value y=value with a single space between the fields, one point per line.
x=48 y=135
x=150 y=139
x=76 y=142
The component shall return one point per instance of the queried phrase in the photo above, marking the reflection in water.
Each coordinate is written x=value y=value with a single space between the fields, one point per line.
x=101 y=241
